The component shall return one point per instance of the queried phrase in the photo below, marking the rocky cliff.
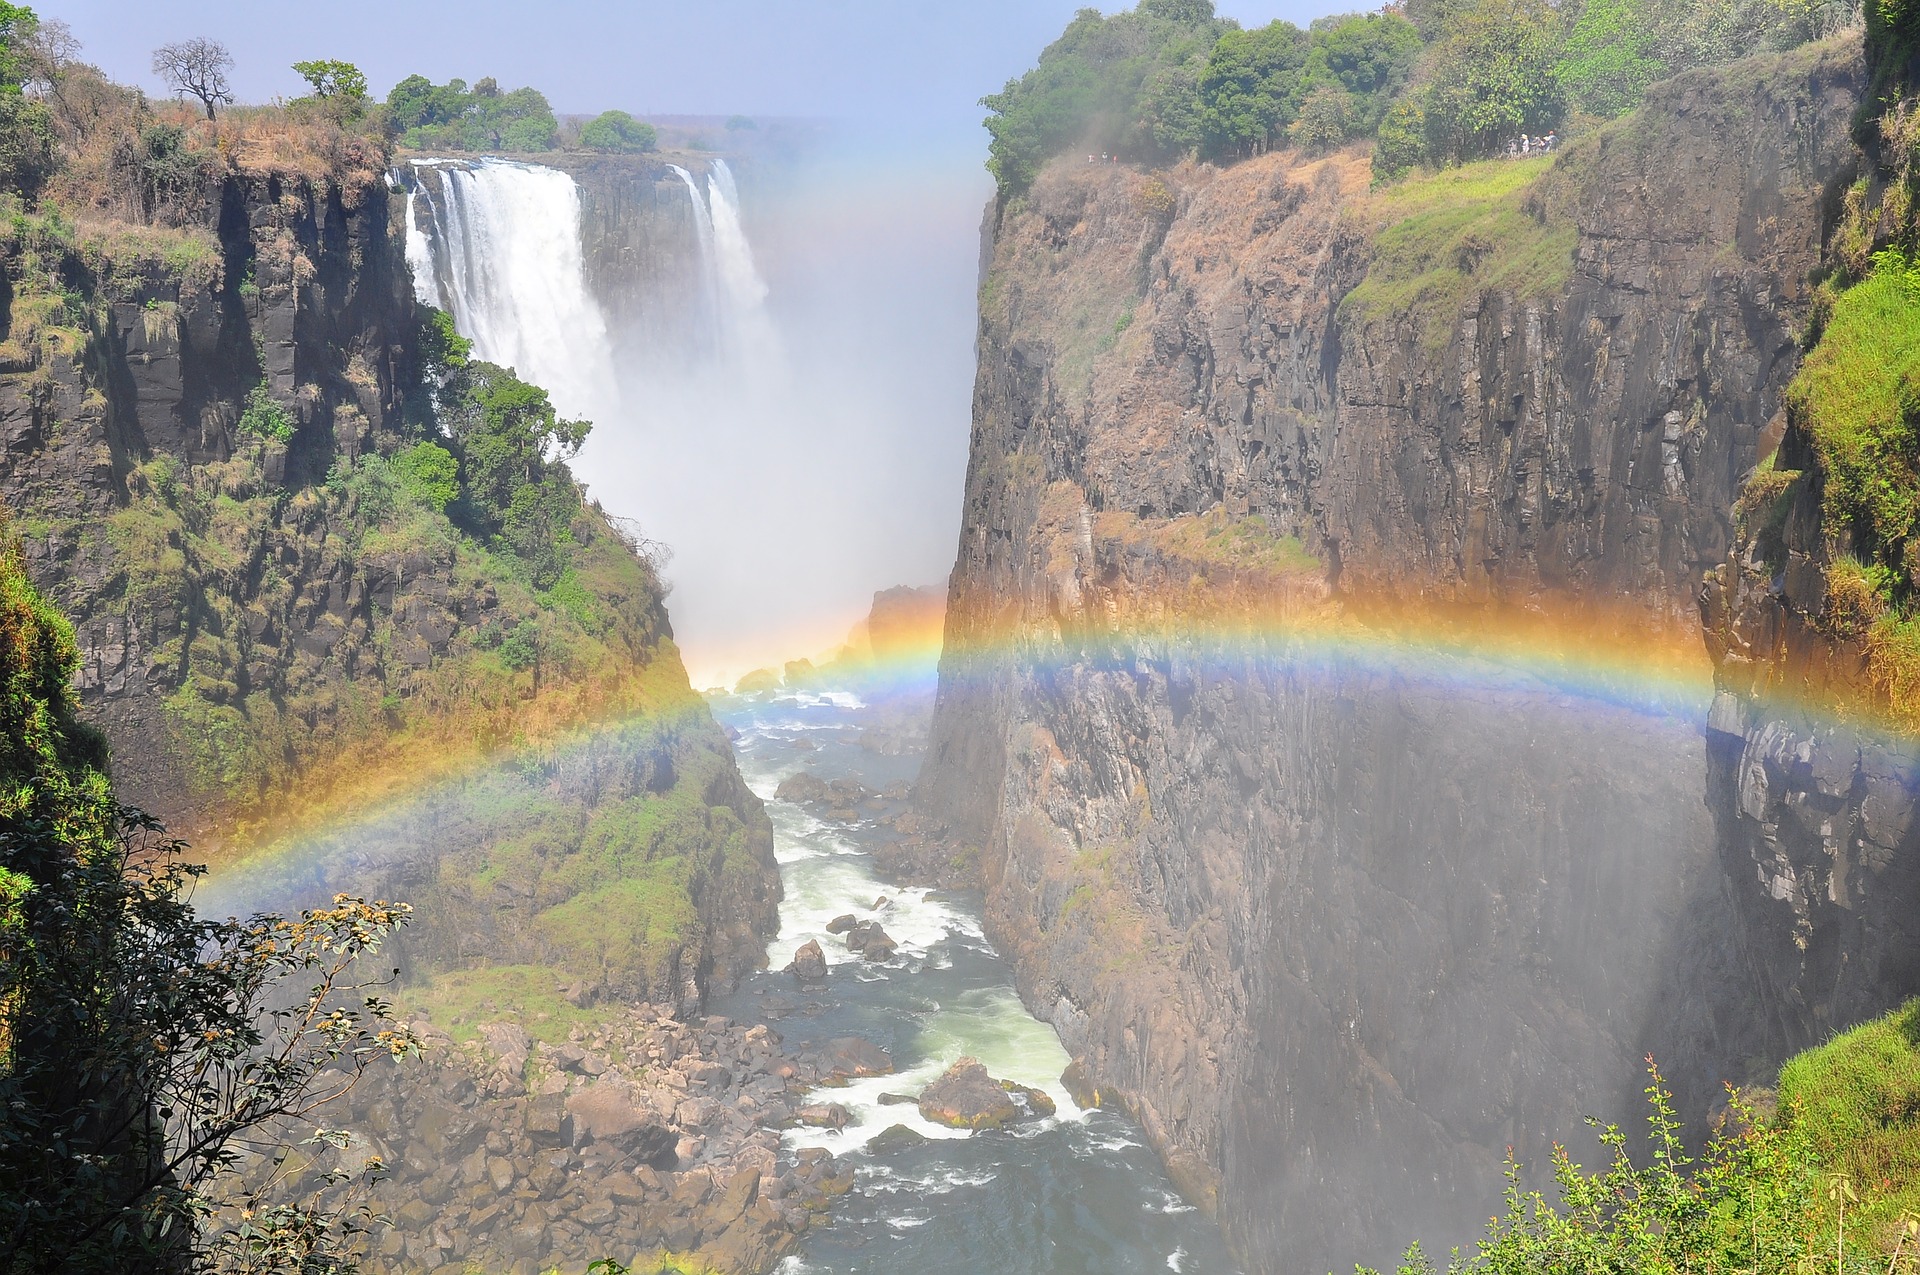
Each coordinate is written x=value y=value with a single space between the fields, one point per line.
x=1340 y=922
x=281 y=634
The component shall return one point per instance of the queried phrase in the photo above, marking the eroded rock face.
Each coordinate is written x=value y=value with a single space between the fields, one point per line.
x=1819 y=820
x=1340 y=932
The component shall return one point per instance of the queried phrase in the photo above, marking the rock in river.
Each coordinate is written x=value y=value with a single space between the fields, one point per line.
x=966 y=1097
x=809 y=963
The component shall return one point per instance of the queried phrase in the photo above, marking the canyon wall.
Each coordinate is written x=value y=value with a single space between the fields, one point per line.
x=280 y=638
x=1339 y=922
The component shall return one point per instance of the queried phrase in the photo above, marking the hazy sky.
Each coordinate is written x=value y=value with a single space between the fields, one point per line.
x=927 y=60
x=786 y=517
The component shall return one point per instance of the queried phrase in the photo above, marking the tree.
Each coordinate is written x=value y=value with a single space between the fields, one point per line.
x=1611 y=55
x=18 y=26
x=333 y=78
x=618 y=132
x=1101 y=86
x=197 y=68
x=1325 y=116
x=1251 y=87
x=1401 y=141
x=1495 y=77
x=140 y=1045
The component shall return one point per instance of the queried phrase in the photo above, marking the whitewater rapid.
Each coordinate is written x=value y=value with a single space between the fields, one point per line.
x=1075 y=1194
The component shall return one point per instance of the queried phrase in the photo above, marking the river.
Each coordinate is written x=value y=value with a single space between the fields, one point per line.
x=1078 y=1193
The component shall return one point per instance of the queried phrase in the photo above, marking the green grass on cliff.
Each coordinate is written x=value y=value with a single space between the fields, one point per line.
x=1857 y=1098
x=1442 y=238
x=1821 y=1175
x=1857 y=394
x=531 y=996
x=1857 y=397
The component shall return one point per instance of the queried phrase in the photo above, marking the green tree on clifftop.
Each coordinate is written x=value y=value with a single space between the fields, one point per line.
x=616 y=132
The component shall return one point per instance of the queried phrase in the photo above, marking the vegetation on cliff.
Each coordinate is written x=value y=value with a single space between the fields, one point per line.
x=141 y=1046
x=452 y=116
x=1822 y=1173
x=1436 y=82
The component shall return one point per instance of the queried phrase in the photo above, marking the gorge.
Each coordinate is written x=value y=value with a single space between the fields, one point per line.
x=1416 y=657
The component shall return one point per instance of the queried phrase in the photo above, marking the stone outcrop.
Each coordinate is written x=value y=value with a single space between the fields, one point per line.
x=646 y=1135
x=281 y=649
x=1340 y=930
x=966 y=1097
x=1818 y=812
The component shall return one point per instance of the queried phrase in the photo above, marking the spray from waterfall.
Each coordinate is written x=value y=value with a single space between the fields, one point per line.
x=750 y=336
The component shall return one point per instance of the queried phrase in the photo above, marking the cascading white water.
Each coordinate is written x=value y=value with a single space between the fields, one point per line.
x=512 y=273
x=740 y=284
x=733 y=256
x=420 y=254
x=703 y=233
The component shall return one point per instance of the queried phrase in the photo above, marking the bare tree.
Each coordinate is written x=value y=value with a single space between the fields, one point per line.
x=199 y=67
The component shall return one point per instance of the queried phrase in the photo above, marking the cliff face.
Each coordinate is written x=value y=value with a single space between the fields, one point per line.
x=1816 y=812
x=278 y=636
x=293 y=285
x=1341 y=928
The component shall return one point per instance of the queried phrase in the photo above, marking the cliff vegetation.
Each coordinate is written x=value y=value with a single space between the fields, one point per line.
x=1434 y=82
x=1821 y=1172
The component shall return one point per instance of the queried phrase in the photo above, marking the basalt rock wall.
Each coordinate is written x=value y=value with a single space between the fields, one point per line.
x=1341 y=924
x=278 y=641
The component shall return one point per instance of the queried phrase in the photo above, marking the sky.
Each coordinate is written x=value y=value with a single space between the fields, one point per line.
x=913 y=61
x=783 y=518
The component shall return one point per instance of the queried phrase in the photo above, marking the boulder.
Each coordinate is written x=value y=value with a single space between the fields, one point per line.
x=547 y=1122
x=843 y=923
x=1038 y=1102
x=853 y=1056
x=1078 y=1083
x=827 y=1115
x=801 y=787
x=510 y=1044
x=895 y=1138
x=809 y=963
x=966 y=1097
x=872 y=942
x=608 y=1109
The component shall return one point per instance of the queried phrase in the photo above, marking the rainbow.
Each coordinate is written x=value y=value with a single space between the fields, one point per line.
x=1590 y=661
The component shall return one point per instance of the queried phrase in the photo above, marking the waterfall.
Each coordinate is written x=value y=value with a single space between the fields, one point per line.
x=633 y=296
x=703 y=230
x=426 y=286
x=736 y=294
x=746 y=291
x=510 y=269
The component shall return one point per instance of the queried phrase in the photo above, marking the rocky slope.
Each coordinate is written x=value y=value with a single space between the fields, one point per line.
x=289 y=646
x=1341 y=927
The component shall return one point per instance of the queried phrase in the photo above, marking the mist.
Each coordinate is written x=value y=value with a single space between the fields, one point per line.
x=818 y=460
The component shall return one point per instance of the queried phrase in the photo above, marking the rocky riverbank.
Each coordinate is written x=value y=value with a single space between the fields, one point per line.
x=648 y=1138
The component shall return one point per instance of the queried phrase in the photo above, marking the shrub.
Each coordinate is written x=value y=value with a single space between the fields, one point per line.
x=616 y=132
x=266 y=418
x=1831 y=1167
x=428 y=474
